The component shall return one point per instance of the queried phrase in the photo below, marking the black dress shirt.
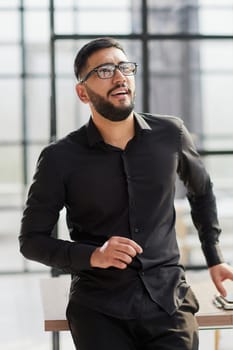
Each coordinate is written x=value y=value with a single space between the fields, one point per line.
x=112 y=192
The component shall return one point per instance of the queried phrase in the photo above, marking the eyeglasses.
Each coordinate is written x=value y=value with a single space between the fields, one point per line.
x=107 y=70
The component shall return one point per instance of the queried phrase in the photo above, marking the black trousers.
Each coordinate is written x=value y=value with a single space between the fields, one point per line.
x=92 y=330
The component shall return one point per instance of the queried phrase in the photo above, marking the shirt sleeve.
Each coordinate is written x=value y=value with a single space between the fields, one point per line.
x=46 y=198
x=201 y=198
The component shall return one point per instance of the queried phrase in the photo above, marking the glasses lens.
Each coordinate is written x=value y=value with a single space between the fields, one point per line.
x=106 y=71
x=127 y=68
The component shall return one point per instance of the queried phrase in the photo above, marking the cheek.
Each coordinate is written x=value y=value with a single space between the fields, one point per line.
x=131 y=84
x=101 y=87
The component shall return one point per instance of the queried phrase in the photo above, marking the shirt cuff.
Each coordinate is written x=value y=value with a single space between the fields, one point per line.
x=212 y=254
x=80 y=255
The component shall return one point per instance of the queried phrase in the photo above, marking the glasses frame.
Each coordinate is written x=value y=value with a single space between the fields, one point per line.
x=116 y=66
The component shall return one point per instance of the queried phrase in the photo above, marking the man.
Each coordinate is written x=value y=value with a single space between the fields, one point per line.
x=116 y=178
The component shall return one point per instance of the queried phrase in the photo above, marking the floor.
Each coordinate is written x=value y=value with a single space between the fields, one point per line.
x=21 y=319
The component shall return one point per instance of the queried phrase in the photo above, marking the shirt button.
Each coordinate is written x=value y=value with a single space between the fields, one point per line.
x=136 y=230
x=142 y=273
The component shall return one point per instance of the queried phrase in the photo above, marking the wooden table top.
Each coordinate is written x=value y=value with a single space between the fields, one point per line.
x=55 y=290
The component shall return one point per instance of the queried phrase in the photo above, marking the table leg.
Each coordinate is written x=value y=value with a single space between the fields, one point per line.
x=216 y=339
x=55 y=341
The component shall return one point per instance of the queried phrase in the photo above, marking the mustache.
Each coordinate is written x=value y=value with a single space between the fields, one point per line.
x=117 y=87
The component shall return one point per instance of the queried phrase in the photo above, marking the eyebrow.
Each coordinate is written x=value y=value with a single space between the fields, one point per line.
x=103 y=64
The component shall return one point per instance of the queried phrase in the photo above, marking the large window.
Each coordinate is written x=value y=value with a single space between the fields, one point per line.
x=25 y=91
x=185 y=54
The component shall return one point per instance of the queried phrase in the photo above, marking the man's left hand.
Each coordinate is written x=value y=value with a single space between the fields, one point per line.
x=220 y=273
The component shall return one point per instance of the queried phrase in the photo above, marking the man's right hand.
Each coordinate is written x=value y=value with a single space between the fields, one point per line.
x=116 y=252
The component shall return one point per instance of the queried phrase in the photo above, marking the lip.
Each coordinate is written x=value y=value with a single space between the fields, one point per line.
x=119 y=92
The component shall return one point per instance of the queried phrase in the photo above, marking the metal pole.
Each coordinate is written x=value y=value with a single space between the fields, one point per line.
x=145 y=59
x=56 y=340
x=53 y=119
x=24 y=112
x=53 y=127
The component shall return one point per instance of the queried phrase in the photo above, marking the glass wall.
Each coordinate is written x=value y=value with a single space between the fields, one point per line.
x=24 y=116
x=185 y=54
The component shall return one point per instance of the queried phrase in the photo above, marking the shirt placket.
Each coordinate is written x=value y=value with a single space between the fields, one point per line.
x=134 y=228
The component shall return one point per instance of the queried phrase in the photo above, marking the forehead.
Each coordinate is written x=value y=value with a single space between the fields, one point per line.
x=109 y=55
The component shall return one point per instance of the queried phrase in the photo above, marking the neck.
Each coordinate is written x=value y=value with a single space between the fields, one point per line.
x=115 y=133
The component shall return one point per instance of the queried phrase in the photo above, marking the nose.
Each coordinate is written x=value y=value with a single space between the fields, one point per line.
x=118 y=76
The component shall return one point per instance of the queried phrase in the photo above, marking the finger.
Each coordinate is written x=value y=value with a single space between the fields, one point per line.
x=220 y=288
x=131 y=243
x=125 y=258
x=118 y=264
x=112 y=252
x=127 y=249
x=124 y=245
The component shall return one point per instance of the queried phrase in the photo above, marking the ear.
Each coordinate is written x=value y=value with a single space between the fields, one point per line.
x=81 y=92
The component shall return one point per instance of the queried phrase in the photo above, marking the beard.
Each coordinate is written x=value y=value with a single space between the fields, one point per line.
x=107 y=109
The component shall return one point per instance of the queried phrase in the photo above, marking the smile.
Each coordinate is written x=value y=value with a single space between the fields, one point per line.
x=120 y=92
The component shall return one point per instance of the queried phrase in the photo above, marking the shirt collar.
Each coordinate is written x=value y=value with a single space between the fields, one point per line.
x=143 y=125
x=94 y=135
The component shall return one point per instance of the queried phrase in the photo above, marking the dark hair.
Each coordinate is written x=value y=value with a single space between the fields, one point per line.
x=92 y=46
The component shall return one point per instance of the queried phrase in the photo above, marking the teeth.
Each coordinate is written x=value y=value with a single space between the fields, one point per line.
x=120 y=92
